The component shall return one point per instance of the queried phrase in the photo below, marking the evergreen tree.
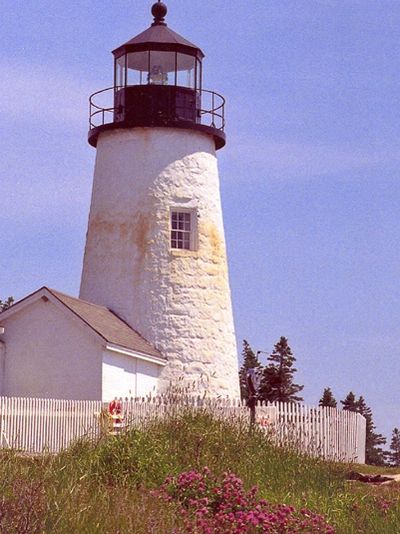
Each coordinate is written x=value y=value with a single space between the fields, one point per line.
x=374 y=454
x=277 y=379
x=350 y=403
x=250 y=361
x=4 y=305
x=328 y=399
x=394 y=455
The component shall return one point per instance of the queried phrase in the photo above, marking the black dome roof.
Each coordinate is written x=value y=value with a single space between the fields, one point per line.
x=159 y=37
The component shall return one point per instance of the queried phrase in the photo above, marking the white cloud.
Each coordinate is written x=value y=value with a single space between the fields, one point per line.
x=306 y=160
x=42 y=177
x=42 y=92
x=45 y=202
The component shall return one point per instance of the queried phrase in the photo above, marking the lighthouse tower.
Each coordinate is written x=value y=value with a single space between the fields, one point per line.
x=155 y=249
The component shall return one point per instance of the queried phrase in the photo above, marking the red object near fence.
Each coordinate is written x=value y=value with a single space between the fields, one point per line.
x=115 y=410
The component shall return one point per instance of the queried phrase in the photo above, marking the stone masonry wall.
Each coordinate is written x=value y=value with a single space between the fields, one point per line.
x=178 y=300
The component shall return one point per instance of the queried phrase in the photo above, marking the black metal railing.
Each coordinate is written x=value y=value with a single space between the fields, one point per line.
x=210 y=108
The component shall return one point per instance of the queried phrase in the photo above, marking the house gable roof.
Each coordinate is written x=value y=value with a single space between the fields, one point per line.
x=99 y=318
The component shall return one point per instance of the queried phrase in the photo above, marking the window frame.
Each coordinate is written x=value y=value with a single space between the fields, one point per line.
x=192 y=232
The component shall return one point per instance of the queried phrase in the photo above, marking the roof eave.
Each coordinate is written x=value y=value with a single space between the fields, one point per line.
x=159 y=360
x=153 y=45
x=49 y=295
x=22 y=303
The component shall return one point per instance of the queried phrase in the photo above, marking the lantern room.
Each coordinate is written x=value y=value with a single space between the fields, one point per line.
x=158 y=82
x=158 y=56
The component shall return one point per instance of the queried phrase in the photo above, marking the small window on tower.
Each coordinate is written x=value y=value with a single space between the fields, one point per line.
x=182 y=230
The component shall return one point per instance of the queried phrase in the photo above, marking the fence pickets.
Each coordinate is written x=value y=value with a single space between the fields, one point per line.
x=39 y=425
x=328 y=433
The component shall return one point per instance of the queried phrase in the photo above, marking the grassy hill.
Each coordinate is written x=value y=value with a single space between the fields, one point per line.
x=114 y=486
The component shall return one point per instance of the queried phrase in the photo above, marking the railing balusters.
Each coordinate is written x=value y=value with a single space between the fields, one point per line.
x=214 y=117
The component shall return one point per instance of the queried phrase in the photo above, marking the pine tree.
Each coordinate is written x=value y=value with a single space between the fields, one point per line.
x=328 y=399
x=4 y=305
x=394 y=455
x=250 y=361
x=374 y=454
x=277 y=379
x=350 y=403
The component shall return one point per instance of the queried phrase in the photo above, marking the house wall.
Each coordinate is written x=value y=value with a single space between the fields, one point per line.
x=50 y=353
x=126 y=376
x=2 y=362
x=147 y=377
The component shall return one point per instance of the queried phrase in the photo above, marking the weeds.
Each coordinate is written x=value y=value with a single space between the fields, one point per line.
x=106 y=487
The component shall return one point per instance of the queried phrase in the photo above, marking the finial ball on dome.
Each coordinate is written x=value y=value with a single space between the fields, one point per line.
x=159 y=10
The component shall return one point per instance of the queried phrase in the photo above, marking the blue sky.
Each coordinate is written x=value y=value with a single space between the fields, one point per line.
x=309 y=176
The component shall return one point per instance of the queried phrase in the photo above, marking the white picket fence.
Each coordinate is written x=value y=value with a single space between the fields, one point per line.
x=40 y=425
x=328 y=433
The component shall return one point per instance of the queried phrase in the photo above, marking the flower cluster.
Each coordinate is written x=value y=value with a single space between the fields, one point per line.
x=212 y=506
x=383 y=505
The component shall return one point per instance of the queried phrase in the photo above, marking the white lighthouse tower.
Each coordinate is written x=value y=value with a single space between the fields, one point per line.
x=155 y=249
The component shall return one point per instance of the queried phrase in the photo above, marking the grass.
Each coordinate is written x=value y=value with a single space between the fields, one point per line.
x=106 y=487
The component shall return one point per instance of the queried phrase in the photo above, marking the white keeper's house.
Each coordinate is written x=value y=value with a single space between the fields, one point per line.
x=154 y=307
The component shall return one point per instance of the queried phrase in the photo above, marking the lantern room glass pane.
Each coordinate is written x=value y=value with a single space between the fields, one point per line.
x=157 y=67
x=198 y=74
x=120 y=71
x=138 y=68
x=162 y=68
x=186 y=71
